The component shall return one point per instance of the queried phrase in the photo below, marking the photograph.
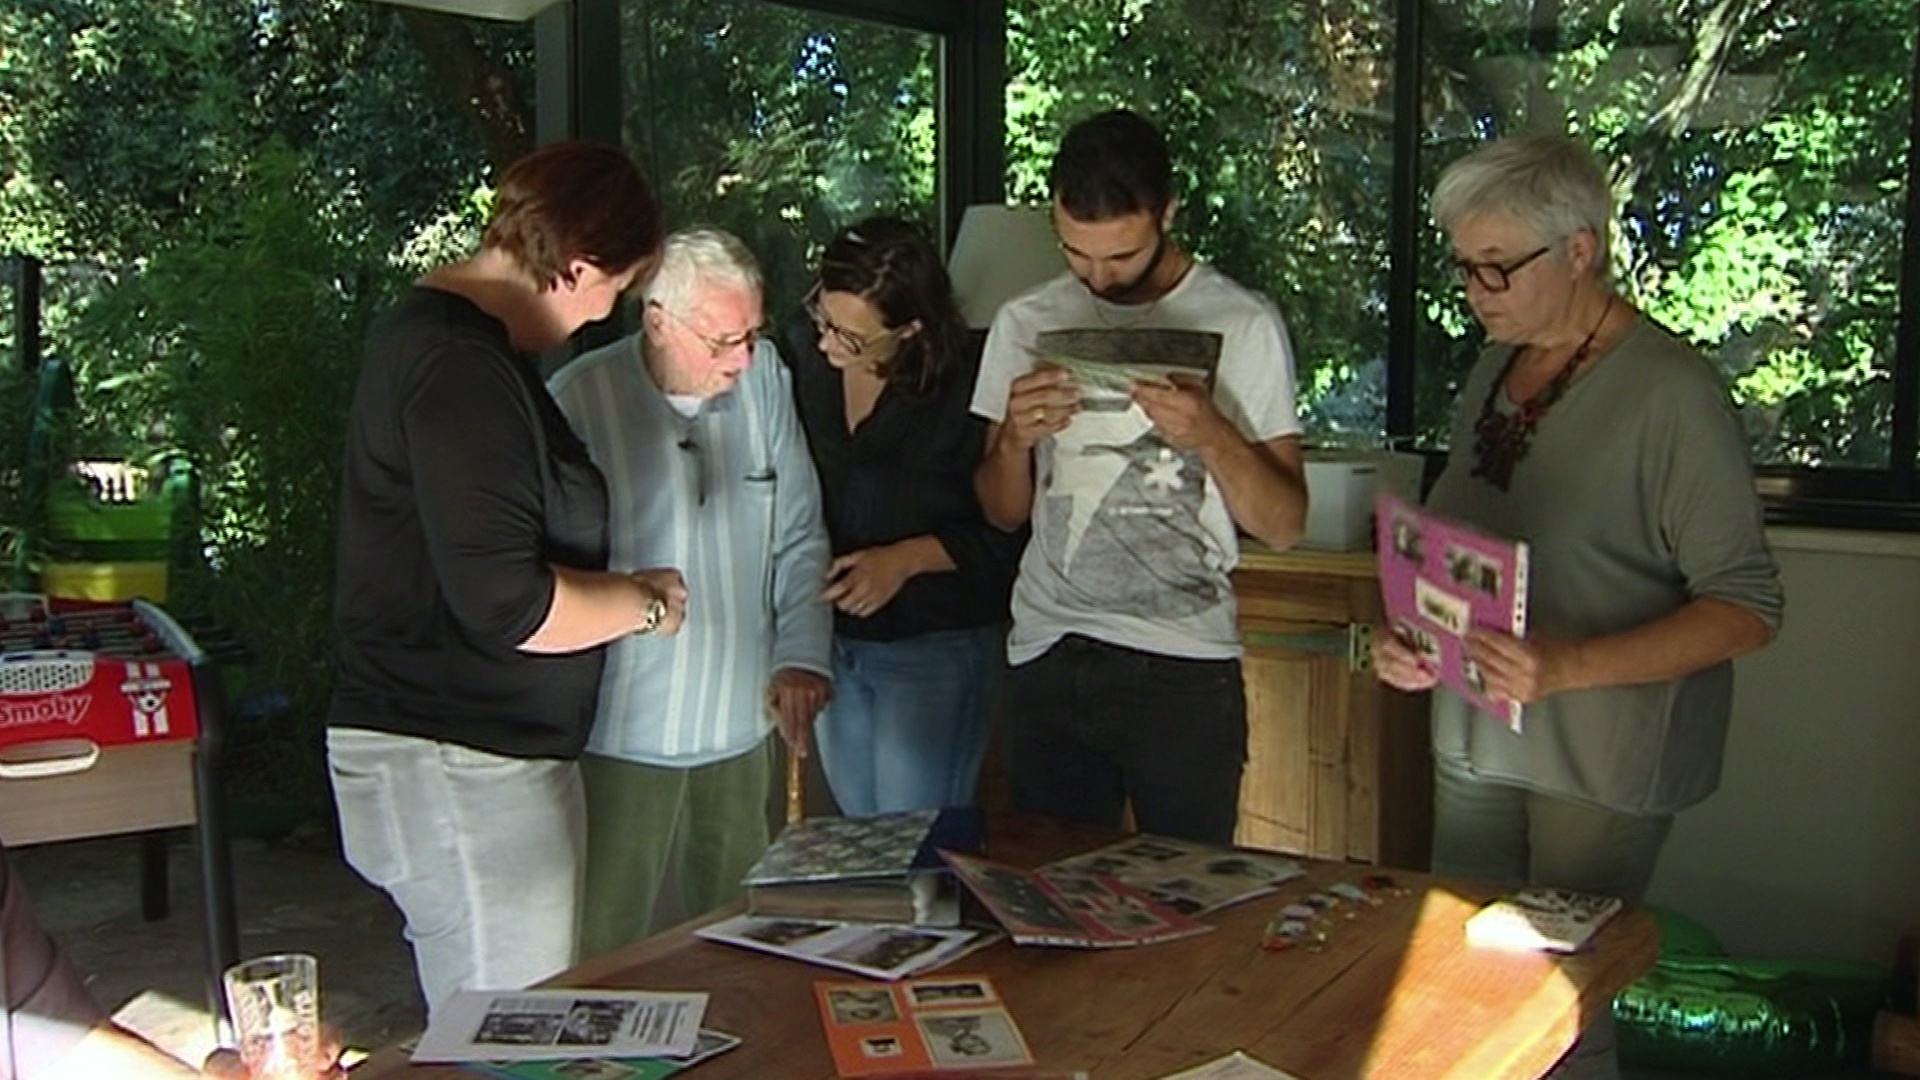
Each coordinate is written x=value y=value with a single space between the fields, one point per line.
x=859 y=1005
x=518 y=1029
x=1102 y=864
x=1451 y=613
x=594 y=1023
x=886 y=949
x=1423 y=643
x=1184 y=895
x=971 y=991
x=1130 y=921
x=1473 y=570
x=1148 y=849
x=972 y=1039
x=786 y=932
x=1408 y=543
x=1023 y=901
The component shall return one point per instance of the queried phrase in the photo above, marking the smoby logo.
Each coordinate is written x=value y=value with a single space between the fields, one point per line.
x=52 y=709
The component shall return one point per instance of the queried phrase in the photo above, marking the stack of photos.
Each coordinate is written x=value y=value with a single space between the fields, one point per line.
x=953 y=1022
x=1191 y=878
x=878 y=951
x=1542 y=919
x=1080 y=909
x=709 y=1044
x=556 y=1025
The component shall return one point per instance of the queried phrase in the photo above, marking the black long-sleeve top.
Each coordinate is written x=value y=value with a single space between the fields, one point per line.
x=463 y=484
x=906 y=471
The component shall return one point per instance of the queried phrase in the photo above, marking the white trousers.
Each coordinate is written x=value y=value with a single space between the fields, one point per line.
x=482 y=854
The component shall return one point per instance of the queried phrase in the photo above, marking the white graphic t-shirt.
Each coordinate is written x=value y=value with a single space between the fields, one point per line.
x=1132 y=543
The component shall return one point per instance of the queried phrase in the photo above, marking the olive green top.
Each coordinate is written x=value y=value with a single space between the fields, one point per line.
x=1635 y=498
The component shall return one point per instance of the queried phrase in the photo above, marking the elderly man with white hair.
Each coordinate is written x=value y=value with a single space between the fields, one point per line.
x=692 y=422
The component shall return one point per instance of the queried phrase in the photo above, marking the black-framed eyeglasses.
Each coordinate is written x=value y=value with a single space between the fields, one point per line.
x=1493 y=276
x=717 y=347
x=848 y=340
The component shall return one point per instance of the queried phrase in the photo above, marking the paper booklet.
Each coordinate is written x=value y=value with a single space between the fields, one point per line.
x=883 y=868
x=709 y=1044
x=1439 y=579
x=532 y=1025
x=1235 y=1066
x=1191 y=878
x=1107 y=362
x=953 y=1022
x=876 y=950
x=1076 y=908
x=1542 y=919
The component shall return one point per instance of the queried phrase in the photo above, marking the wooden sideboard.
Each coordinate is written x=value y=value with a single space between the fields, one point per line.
x=1338 y=766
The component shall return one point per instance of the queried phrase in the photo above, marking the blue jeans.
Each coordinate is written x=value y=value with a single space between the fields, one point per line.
x=907 y=727
x=1093 y=727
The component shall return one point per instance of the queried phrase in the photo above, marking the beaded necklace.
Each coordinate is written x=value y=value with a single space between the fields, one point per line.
x=1501 y=440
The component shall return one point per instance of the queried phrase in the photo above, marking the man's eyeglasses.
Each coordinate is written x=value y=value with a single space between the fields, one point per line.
x=1493 y=276
x=716 y=346
x=853 y=343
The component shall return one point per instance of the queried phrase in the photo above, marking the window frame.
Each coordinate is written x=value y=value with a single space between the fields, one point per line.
x=580 y=97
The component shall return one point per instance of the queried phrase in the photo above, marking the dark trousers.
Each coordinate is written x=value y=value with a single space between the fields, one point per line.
x=1091 y=727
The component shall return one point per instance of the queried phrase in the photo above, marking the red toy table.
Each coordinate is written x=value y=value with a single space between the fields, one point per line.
x=110 y=723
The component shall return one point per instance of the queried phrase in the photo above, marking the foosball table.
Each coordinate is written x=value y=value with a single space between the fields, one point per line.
x=110 y=723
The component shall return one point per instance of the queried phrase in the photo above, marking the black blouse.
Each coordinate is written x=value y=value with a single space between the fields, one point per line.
x=907 y=471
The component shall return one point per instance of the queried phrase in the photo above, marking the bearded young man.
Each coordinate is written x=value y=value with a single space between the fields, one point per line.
x=1124 y=682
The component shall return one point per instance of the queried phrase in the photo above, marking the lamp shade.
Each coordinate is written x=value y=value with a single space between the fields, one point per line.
x=1001 y=252
x=502 y=10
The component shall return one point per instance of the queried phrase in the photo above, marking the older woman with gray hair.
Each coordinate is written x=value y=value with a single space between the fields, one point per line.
x=1609 y=446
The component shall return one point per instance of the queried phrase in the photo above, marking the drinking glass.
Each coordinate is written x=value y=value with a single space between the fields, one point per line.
x=275 y=1002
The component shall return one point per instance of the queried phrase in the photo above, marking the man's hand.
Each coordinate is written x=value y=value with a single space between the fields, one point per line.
x=669 y=587
x=794 y=698
x=1526 y=670
x=1040 y=404
x=1398 y=664
x=1184 y=413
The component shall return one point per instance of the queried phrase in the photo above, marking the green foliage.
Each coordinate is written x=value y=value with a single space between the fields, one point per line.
x=1759 y=156
x=1279 y=121
x=248 y=325
x=779 y=125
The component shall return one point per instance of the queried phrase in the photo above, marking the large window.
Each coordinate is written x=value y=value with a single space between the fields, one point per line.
x=1758 y=153
x=779 y=124
x=222 y=193
x=1280 y=120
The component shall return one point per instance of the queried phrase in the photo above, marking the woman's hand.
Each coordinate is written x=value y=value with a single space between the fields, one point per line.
x=862 y=582
x=1398 y=664
x=1523 y=670
x=670 y=588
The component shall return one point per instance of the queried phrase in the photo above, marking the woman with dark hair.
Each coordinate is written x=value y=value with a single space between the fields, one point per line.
x=919 y=582
x=472 y=590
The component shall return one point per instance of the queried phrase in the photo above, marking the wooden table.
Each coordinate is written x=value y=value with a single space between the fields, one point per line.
x=1395 y=993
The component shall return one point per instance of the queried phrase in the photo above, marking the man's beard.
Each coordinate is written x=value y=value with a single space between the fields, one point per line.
x=1134 y=292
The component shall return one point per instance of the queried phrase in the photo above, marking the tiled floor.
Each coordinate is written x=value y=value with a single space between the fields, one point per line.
x=290 y=899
